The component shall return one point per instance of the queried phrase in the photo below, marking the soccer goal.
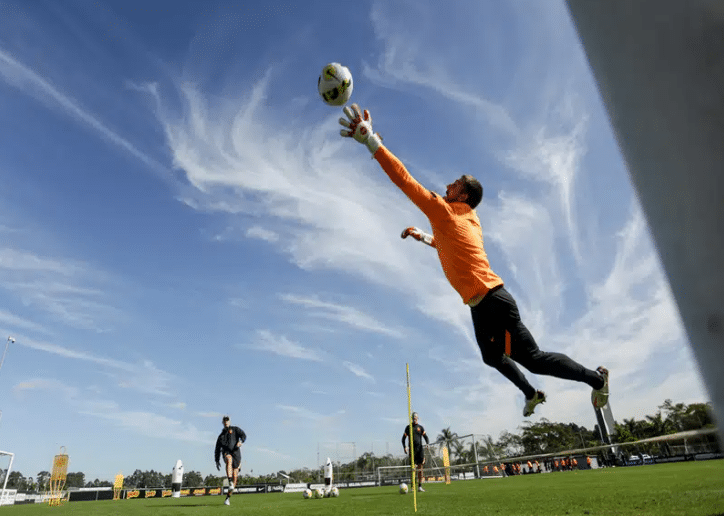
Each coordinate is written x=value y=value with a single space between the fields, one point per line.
x=434 y=470
x=5 y=458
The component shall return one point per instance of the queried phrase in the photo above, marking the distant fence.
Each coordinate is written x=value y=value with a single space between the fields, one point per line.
x=106 y=493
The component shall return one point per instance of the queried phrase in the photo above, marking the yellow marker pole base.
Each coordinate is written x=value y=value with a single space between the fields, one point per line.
x=412 y=448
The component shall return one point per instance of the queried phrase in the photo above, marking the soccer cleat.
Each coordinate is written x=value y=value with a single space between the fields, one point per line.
x=599 y=397
x=539 y=397
x=420 y=489
x=227 y=501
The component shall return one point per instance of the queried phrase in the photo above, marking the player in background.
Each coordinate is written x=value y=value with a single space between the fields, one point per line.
x=457 y=236
x=418 y=432
x=229 y=444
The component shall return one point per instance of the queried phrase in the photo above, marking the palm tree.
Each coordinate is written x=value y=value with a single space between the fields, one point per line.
x=448 y=438
x=658 y=425
x=487 y=449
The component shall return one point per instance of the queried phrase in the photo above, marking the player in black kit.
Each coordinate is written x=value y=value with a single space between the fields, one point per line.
x=229 y=443
x=418 y=432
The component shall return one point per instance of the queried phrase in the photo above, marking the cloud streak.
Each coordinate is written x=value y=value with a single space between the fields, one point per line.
x=26 y=80
x=282 y=346
x=63 y=289
x=342 y=314
x=142 y=377
x=138 y=422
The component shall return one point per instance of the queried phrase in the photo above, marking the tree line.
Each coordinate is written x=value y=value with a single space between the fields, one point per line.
x=534 y=438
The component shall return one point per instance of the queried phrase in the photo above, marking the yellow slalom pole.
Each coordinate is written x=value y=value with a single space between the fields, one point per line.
x=410 y=437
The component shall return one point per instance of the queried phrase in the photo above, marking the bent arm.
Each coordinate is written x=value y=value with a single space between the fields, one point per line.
x=418 y=235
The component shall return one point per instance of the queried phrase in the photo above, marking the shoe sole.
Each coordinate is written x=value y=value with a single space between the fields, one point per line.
x=599 y=397
x=542 y=399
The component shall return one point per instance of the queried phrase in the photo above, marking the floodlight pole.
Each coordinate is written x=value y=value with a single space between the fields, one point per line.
x=7 y=344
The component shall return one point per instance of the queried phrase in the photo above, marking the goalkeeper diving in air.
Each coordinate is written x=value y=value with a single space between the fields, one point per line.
x=458 y=238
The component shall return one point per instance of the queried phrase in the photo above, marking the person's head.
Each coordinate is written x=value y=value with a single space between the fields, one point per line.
x=226 y=421
x=415 y=417
x=466 y=189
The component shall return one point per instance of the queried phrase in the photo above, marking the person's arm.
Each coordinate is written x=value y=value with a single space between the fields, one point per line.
x=359 y=127
x=427 y=439
x=404 y=446
x=217 y=453
x=418 y=235
x=241 y=435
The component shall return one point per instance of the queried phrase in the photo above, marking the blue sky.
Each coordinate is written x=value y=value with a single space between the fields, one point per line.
x=184 y=234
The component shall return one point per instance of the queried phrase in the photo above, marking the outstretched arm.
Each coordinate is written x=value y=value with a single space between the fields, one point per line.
x=358 y=125
x=418 y=235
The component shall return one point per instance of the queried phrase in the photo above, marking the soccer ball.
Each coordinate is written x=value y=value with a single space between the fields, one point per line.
x=307 y=494
x=335 y=84
x=318 y=493
x=334 y=492
x=403 y=488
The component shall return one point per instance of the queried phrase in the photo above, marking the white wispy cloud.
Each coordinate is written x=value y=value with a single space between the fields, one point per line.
x=282 y=346
x=67 y=290
x=15 y=321
x=276 y=454
x=412 y=57
x=358 y=370
x=144 y=423
x=341 y=313
x=28 y=81
x=247 y=162
x=262 y=234
x=301 y=412
x=142 y=377
x=149 y=423
x=628 y=318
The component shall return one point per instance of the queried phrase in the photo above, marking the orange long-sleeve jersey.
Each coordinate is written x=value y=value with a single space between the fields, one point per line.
x=457 y=234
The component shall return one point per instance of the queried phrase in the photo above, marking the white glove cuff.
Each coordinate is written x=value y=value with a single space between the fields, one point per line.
x=373 y=142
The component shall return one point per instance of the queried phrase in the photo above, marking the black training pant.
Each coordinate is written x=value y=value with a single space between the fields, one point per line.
x=495 y=319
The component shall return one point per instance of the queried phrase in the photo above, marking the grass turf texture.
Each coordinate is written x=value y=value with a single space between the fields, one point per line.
x=692 y=488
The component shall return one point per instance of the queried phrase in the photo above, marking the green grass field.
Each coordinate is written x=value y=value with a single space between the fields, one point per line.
x=692 y=488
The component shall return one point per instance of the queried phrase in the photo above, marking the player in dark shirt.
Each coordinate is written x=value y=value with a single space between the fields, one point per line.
x=418 y=432
x=229 y=444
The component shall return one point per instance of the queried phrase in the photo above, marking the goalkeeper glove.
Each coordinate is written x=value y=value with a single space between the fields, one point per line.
x=359 y=127
x=417 y=234
x=218 y=466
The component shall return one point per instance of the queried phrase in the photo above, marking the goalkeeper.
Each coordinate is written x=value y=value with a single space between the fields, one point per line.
x=457 y=236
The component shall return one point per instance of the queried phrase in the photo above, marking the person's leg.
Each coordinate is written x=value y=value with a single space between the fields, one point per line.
x=526 y=352
x=550 y=363
x=228 y=459
x=235 y=465
x=489 y=323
